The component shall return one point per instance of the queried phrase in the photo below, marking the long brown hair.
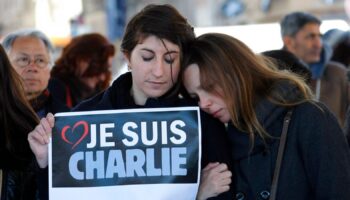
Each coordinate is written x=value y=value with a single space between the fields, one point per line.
x=244 y=77
x=164 y=22
x=17 y=118
x=91 y=47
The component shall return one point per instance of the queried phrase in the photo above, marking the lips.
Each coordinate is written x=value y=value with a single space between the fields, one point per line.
x=216 y=113
x=31 y=81
x=156 y=85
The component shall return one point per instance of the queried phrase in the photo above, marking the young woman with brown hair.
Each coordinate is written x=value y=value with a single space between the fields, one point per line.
x=252 y=96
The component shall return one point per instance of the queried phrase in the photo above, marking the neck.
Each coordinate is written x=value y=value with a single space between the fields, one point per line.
x=32 y=95
x=138 y=98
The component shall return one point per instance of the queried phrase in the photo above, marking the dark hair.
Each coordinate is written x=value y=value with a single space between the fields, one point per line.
x=17 y=118
x=162 y=21
x=92 y=47
x=295 y=21
x=287 y=60
x=340 y=42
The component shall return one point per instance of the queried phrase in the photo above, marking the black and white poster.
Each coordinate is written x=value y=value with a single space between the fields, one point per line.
x=126 y=154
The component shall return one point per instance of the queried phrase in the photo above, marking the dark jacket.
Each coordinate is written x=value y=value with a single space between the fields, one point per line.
x=316 y=161
x=71 y=91
x=19 y=184
x=18 y=169
x=20 y=181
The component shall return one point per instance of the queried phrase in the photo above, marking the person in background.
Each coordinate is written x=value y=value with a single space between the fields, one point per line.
x=340 y=42
x=301 y=36
x=83 y=69
x=155 y=45
x=31 y=54
x=17 y=119
x=252 y=96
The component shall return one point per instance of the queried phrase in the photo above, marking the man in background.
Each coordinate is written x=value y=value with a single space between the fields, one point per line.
x=301 y=36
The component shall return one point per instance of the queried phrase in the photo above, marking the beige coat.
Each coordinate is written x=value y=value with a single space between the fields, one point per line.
x=333 y=90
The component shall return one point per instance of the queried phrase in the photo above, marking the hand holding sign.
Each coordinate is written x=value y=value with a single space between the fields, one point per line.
x=40 y=137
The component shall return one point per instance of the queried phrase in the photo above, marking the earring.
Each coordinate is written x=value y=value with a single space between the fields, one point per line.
x=129 y=68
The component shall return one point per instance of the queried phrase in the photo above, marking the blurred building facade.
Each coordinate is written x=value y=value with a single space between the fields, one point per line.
x=15 y=14
x=63 y=19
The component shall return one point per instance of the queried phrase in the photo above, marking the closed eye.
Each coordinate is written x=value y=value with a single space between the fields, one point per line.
x=147 y=58
x=194 y=97
x=169 y=58
x=169 y=61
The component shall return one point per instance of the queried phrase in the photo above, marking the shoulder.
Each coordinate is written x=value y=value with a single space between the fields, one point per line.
x=314 y=124
x=99 y=102
x=314 y=113
x=336 y=68
x=113 y=97
x=56 y=105
x=55 y=83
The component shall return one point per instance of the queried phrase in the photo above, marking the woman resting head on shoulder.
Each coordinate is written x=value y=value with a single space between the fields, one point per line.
x=252 y=96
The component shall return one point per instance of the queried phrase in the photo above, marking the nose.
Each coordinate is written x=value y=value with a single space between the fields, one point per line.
x=158 y=69
x=31 y=66
x=204 y=103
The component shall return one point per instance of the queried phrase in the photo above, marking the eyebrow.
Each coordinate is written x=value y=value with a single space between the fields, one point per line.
x=168 y=52
x=35 y=56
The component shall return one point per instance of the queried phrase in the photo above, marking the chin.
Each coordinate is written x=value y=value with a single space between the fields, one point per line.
x=155 y=95
x=225 y=120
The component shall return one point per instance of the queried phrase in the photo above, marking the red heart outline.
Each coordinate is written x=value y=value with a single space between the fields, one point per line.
x=85 y=133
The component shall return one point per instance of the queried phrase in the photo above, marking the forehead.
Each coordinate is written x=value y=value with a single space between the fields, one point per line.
x=29 y=45
x=310 y=28
x=192 y=77
x=156 y=44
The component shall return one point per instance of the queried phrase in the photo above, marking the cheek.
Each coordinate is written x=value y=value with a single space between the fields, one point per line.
x=175 y=71
x=45 y=76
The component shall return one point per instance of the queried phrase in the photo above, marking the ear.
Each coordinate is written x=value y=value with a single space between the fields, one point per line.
x=127 y=58
x=288 y=42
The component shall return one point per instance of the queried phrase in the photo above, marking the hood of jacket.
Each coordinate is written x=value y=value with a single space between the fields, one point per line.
x=268 y=115
x=317 y=69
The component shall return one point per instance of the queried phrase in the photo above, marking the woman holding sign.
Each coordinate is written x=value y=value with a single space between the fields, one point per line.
x=309 y=159
x=154 y=46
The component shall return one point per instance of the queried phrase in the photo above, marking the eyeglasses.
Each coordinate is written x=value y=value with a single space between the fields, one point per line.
x=24 y=61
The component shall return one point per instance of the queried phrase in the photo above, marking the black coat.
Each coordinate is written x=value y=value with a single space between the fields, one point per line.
x=316 y=161
x=20 y=182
